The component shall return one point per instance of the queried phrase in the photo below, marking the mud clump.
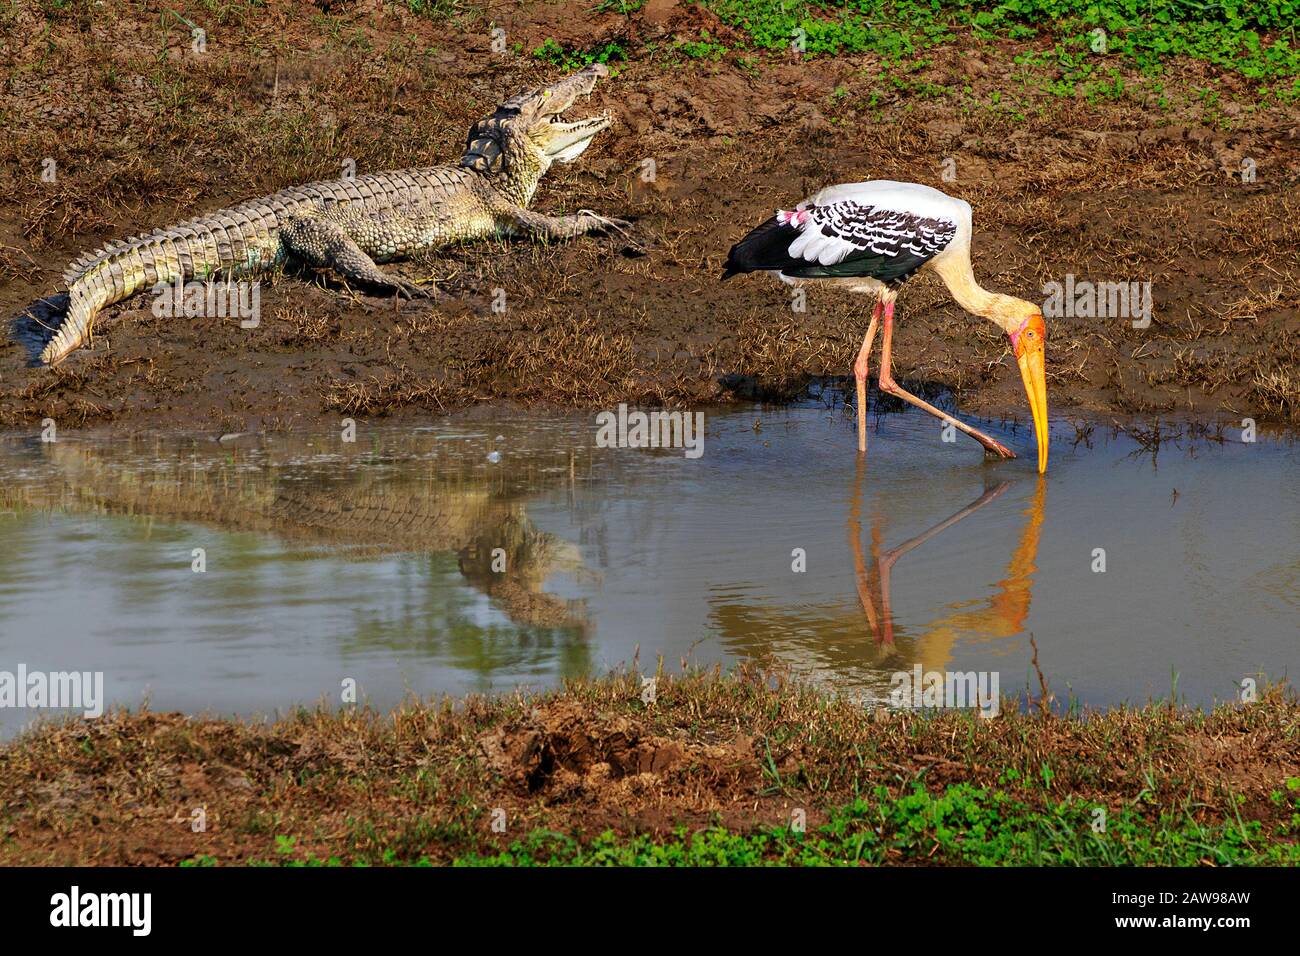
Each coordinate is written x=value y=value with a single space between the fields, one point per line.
x=563 y=748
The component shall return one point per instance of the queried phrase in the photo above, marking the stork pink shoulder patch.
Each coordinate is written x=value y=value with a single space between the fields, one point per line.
x=792 y=217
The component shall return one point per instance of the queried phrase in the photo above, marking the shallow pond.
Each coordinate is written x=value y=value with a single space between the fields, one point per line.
x=483 y=555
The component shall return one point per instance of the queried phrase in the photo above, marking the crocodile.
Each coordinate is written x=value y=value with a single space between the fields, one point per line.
x=350 y=225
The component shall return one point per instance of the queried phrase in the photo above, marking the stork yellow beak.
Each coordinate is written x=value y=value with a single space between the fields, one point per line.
x=1035 y=379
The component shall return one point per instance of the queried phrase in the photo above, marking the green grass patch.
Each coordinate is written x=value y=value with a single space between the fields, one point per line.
x=575 y=58
x=962 y=825
x=1256 y=40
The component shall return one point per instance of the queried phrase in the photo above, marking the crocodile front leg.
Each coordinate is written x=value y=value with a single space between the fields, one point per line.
x=326 y=242
x=523 y=222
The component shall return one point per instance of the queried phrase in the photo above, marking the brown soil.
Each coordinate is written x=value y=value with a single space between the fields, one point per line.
x=1130 y=190
x=743 y=750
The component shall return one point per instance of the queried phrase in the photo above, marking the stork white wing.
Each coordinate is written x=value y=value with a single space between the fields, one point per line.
x=888 y=244
x=879 y=229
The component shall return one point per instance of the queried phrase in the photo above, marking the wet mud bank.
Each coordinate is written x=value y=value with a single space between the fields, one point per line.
x=1145 y=191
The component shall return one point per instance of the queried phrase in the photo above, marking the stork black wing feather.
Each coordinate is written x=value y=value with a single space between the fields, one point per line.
x=766 y=247
x=891 y=270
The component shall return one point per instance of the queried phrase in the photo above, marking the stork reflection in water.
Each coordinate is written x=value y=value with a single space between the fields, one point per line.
x=1002 y=615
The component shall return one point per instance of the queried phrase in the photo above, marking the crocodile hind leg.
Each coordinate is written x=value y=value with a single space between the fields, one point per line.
x=326 y=244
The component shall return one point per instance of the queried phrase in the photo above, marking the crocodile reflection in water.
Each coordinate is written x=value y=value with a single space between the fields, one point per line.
x=1002 y=616
x=369 y=511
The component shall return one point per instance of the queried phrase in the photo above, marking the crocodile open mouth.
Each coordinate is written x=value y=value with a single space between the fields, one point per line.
x=565 y=140
x=568 y=140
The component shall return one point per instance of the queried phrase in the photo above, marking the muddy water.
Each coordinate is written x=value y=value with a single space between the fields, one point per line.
x=474 y=556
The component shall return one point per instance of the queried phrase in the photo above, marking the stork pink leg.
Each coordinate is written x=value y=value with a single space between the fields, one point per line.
x=860 y=373
x=887 y=384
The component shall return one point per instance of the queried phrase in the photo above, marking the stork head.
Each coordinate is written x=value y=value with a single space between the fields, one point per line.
x=1028 y=333
x=518 y=143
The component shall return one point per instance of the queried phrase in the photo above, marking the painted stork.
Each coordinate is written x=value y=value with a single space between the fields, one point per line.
x=871 y=238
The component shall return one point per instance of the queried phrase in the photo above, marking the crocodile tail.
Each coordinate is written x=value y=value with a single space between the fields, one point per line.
x=85 y=299
x=199 y=248
x=108 y=275
x=242 y=240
